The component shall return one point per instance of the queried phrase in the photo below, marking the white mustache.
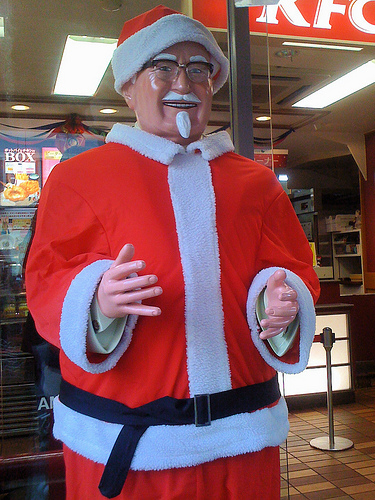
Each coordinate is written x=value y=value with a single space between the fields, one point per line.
x=173 y=96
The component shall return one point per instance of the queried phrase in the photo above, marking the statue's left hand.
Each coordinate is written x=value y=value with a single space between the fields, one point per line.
x=282 y=306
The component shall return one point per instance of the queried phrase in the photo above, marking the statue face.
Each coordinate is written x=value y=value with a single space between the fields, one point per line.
x=157 y=101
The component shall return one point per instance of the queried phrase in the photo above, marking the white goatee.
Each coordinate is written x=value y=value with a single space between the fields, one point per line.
x=183 y=124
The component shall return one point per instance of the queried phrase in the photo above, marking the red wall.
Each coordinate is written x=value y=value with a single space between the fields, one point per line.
x=368 y=204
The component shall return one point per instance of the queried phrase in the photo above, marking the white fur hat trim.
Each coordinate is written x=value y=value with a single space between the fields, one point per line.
x=135 y=51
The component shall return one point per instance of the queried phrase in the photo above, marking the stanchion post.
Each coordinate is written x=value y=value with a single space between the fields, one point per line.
x=330 y=443
x=328 y=340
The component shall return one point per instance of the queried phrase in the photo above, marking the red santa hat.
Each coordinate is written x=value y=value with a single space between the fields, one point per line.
x=145 y=36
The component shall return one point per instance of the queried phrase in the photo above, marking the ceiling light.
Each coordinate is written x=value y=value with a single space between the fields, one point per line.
x=111 y=5
x=2 y=30
x=283 y=178
x=20 y=107
x=83 y=64
x=286 y=53
x=263 y=118
x=253 y=3
x=322 y=46
x=108 y=111
x=353 y=81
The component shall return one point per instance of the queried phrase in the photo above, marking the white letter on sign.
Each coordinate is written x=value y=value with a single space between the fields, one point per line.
x=324 y=11
x=357 y=18
x=9 y=156
x=29 y=156
x=290 y=11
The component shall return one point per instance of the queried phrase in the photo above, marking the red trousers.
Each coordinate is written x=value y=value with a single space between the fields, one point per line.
x=254 y=476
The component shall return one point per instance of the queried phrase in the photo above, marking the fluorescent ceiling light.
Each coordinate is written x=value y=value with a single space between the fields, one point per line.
x=263 y=118
x=108 y=111
x=2 y=31
x=253 y=3
x=83 y=64
x=353 y=81
x=323 y=46
x=20 y=107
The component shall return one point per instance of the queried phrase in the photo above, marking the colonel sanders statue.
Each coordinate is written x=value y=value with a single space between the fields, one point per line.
x=176 y=280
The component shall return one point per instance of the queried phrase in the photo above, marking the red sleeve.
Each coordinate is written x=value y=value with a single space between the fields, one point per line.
x=283 y=243
x=68 y=237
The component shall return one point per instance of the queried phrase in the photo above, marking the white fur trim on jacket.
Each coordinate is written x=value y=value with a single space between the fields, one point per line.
x=75 y=315
x=306 y=316
x=171 y=446
x=135 y=51
x=162 y=150
x=207 y=356
x=212 y=146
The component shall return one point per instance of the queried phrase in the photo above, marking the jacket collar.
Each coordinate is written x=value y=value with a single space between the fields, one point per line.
x=162 y=150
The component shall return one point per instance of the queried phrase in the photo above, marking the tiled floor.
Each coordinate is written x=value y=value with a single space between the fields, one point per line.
x=316 y=474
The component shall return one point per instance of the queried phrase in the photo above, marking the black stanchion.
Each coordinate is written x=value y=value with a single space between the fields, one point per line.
x=330 y=442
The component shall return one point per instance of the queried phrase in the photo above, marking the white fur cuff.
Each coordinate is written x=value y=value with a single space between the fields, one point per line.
x=306 y=316
x=75 y=316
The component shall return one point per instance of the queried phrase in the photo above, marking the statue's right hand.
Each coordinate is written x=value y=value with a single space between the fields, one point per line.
x=118 y=294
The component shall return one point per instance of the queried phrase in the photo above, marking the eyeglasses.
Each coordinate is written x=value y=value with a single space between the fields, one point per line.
x=168 y=71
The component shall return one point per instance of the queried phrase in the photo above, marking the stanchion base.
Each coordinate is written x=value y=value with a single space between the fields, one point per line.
x=339 y=443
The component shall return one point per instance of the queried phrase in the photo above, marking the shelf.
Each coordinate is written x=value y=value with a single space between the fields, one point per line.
x=11 y=293
x=11 y=321
x=348 y=282
x=338 y=255
x=20 y=410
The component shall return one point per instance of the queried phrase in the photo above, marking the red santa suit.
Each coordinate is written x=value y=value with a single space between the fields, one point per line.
x=213 y=226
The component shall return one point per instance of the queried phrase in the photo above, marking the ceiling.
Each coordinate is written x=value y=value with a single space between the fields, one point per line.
x=35 y=34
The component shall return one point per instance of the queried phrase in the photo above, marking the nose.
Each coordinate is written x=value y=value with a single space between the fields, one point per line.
x=181 y=82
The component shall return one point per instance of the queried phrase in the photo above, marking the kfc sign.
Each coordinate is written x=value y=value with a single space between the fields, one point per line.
x=345 y=20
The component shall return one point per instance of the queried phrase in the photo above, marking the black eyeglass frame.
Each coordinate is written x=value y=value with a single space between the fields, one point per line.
x=153 y=62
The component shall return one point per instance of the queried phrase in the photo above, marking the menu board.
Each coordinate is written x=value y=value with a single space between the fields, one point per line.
x=21 y=186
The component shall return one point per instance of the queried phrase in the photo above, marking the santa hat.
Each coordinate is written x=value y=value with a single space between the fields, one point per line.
x=145 y=36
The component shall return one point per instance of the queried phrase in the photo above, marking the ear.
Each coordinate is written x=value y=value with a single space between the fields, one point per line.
x=127 y=92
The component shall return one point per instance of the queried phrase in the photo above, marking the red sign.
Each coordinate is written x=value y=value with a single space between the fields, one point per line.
x=344 y=20
x=265 y=157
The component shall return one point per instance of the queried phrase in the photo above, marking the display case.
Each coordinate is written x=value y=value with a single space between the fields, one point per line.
x=26 y=391
x=347 y=257
x=31 y=461
x=18 y=399
x=324 y=269
x=304 y=204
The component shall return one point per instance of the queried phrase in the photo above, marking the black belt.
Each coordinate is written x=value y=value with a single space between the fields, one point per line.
x=199 y=410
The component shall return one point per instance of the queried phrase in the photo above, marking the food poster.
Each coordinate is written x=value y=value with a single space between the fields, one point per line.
x=15 y=235
x=21 y=180
x=50 y=157
x=15 y=229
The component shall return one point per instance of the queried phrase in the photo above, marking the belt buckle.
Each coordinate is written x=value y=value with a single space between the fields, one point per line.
x=202 y=410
